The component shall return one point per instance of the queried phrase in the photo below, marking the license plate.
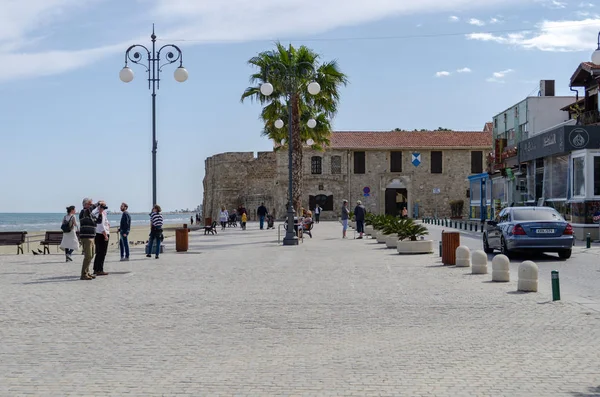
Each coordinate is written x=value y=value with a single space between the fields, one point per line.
x=544 y=231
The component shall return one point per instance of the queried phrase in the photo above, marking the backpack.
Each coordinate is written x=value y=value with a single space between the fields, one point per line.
x=66 y=226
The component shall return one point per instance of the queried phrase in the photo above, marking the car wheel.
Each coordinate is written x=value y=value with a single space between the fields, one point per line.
x=564 y=254
x=486 y=245
x=504 y=249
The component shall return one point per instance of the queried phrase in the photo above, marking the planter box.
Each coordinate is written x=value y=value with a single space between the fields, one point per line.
x=381 y=237
x=391 y=241
x=415 y=247
x=369 y=230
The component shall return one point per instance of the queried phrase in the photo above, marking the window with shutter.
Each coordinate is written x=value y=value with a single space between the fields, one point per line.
x=476 y=162
x=359 y=162
x=396 y=162
x=336 y=164
x=436 y=162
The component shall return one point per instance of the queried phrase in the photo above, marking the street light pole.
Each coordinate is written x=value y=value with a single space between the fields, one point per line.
x=291 y=86
x=153 y=68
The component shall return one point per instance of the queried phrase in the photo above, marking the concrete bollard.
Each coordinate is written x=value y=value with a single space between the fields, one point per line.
x=528 y=277
x=480 y=262
x=463 y=256
x=501 y=268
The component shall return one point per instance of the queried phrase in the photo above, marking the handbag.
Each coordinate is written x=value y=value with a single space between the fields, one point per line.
x=66 y=226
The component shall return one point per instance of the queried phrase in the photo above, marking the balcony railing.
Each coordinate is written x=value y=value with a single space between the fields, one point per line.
x=591 y=117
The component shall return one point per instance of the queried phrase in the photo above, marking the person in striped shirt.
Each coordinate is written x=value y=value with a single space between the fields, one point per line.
x=156 y=225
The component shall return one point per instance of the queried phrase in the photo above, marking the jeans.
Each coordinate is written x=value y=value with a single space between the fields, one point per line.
x=360 y=226
x=154 y=242
x=261 y=221
x=317 y=217
x=124 y=245
x=344 y=224
x=101 y=248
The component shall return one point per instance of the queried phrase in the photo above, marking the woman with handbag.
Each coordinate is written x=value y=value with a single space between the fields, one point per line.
x=69 y=242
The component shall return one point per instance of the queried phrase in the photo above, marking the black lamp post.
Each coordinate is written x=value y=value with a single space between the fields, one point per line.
x=153 y=68
x=292 y=84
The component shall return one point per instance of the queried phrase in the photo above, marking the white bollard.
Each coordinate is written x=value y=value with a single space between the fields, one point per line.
x=501 y=268
x=463 y=256
x=528 y=277
x=480 y=262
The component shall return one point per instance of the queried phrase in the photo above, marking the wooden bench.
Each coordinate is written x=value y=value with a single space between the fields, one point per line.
x=51 y=238
x=13 y=238
x=212 y=229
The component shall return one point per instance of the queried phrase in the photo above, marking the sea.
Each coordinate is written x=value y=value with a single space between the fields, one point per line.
x=10 y=222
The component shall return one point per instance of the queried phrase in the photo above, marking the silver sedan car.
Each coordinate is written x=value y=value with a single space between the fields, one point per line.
x=537 y=229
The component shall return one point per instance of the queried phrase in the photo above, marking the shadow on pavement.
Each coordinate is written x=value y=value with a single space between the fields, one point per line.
x=58 y=279
x=592 y=392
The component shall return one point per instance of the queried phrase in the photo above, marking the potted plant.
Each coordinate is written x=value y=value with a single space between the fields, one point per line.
x=456 y=209
x=410 y=239
x=352 y=221
x=369 y=224
x=396 y=229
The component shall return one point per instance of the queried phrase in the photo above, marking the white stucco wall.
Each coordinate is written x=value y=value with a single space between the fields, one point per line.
x=544 y=112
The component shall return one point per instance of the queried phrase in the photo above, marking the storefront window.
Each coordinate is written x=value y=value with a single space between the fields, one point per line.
x=476 y=190
x=498 y=189
x=597 y=176
x=530 y=194
x=579 y=176
x=556 y=171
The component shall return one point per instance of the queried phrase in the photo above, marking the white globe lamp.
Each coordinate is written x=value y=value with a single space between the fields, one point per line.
x=126 y=74
x=310 y=142
x=314 y=88
x=279 y=124
x=181 y=74
x=596 y=57
x=266 y=89
x=312 y=123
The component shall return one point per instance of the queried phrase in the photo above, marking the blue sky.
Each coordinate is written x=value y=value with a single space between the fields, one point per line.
x=71 y=128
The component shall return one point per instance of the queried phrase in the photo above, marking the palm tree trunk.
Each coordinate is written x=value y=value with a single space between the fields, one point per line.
x=297 y=174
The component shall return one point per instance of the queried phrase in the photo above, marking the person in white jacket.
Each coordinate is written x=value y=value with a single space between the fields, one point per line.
x=70 y=242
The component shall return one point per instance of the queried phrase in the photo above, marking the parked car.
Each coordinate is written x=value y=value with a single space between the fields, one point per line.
x=537 y=229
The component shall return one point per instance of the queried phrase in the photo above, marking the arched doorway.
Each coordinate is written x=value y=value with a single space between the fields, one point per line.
x=396 y=197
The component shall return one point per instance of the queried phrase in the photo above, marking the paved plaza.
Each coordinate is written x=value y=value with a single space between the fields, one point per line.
x=239 y=315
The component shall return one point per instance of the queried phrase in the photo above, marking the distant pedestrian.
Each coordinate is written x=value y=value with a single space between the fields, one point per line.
x=262 y=212
x=102 y=238
x=156 y=230
x=124 y=229
x=70 y=242
x=345 y=216
x=404 y=212
x=359 y=216
x=242 y=211
x=317 y=213
x=87 y=233
x=223 y=217
x=191 y=220
x=244 y=220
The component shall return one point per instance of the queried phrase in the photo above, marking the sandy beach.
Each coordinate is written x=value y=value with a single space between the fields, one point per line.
x=139 y=233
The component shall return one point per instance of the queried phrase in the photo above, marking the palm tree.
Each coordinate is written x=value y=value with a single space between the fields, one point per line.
x=290 y=70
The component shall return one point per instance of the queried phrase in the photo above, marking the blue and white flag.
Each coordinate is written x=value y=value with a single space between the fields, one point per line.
x=416 y=159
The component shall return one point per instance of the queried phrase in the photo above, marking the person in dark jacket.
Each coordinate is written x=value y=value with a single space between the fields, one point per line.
x=262 y=213
x=124 y=229
x=359 y=217
x=87 y=233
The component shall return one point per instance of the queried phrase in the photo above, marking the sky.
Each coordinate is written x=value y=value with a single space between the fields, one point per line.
x=71 y=129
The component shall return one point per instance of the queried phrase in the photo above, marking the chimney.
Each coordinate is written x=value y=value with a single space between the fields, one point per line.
x=547 y=88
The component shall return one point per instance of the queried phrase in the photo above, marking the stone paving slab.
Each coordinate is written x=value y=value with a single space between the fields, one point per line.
x=239 y=315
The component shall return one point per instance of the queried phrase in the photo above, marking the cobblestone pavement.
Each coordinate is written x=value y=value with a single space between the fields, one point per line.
x=238 y=315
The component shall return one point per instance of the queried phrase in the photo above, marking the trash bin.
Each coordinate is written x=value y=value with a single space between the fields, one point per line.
x=450 y=242
x=181 y=239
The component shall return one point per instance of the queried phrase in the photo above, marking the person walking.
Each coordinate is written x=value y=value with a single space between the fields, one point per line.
x=69 y=242
x=87 y=233
x=223 y=217
x=345 y=216
x=262 y=213
x=191 y=220
x=404 y=212
x=124 y=229
x=359 y=216
x=156 y=225
x=317 y=212
x=101 y=238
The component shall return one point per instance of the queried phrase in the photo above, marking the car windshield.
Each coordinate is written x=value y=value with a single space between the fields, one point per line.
x=532 y=214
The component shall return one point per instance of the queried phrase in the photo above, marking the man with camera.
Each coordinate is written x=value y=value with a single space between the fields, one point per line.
x=101 y=238
x=87 y=234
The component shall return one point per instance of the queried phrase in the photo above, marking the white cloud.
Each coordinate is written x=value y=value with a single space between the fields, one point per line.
x=443 y=73
x=553 y=4
x=476 y=22
x=586 y=5
x=494 y=21
x=561 y=36
x=24 y=24
x=464 y=70
x=497 y=77
x=454 y=18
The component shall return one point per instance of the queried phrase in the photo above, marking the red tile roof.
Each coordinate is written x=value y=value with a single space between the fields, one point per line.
x=488 y=127
x=410 y=140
